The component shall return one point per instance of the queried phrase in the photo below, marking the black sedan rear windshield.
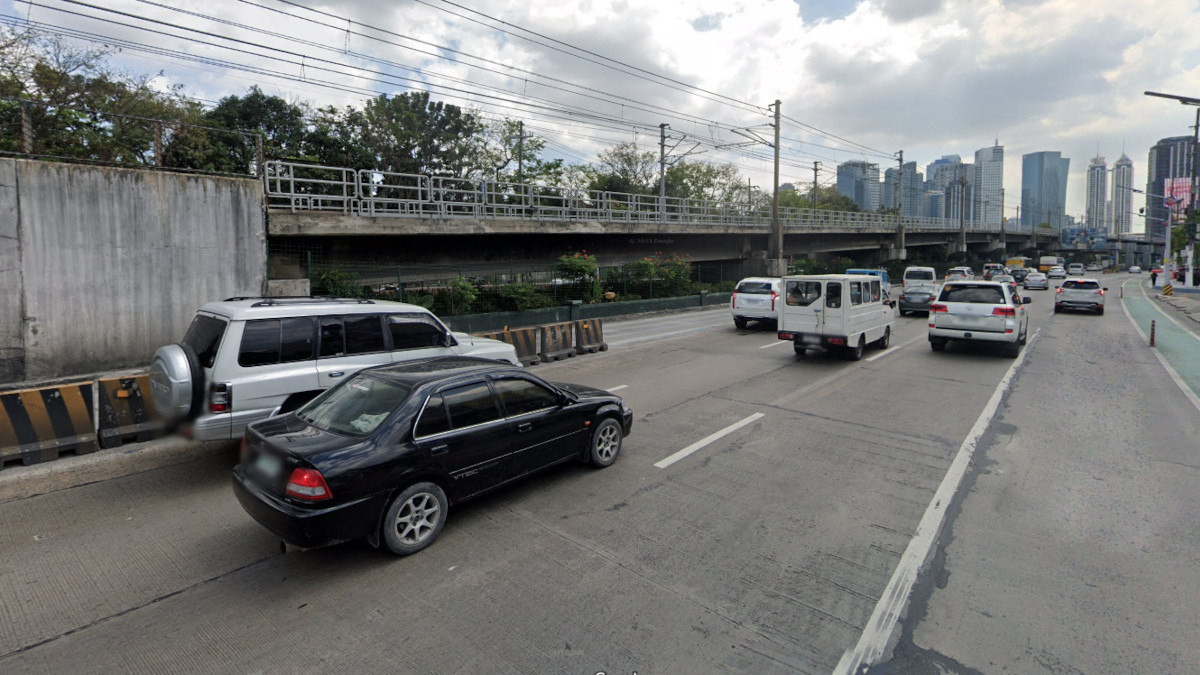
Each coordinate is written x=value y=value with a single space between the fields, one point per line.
x=755 y=287
x=356 y=407
x=988 y=295
x=1082 y=285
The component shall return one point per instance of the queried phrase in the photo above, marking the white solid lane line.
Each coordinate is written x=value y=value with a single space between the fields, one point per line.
x=706 y=440
x=774 y=344
x=874 y=639
x=619 y=387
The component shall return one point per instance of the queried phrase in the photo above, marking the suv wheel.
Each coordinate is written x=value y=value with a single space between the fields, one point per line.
x=739 y=321
x=176 y=383
x=937 y=344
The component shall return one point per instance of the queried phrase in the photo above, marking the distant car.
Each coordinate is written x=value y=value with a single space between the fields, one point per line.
x=1075 y=269
x=1094 y=267
x=754 y=299
x=960 y=273
x=386 y=453
x=916 y=298
x=1057 y=273
x=1080 y=294
x=1019 y=273
x=992 y=269
x=1036 y=280
x=1006 y=279
x=1134 y=269
x=979 y=311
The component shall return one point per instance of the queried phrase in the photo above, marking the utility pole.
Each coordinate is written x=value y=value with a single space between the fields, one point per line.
x=26 y=128
x=749 y=196
x=813 y=201
x=1191 y=226
x=900 y=204
x=662 y=169
x=775 y=246
x=962 y=214
x=520 y=152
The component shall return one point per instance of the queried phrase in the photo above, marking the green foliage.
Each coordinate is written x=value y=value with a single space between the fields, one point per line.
x=338 y=283
x=412 y=134
x=520 y=297
x=574 y=267
x=460 y=296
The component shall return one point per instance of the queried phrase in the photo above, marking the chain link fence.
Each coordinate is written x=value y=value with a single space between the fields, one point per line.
x=452 y=290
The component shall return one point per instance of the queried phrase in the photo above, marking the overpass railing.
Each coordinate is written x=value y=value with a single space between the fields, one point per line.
x=366 y=192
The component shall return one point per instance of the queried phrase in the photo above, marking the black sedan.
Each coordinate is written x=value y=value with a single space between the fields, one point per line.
x=384 y=454
x=916 y=298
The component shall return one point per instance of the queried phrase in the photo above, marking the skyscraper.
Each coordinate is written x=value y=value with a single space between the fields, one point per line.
x=1169 y=158
x=913 y=189
x=1122 y=196
x=1097 y=180
x=933 y=172
x=859 y=181
x=1043 y=188
x=988 y=197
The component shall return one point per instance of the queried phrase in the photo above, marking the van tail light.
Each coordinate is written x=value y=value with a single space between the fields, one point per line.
x=774 y=296
x=220 y=397
x=936 y=307
x=309 y=485
x=1004 y=311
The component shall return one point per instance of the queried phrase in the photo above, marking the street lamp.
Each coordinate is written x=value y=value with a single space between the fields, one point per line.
x=1167 y=223
x=1195 y=156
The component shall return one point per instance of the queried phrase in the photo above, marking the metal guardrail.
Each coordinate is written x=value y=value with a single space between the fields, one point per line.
x=366 y=192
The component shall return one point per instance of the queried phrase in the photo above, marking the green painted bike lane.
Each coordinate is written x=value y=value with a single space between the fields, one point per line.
x=1179 y=346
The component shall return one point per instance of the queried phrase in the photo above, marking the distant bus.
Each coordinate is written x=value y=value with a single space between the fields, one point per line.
x=1018 y=261
x=1048 y=261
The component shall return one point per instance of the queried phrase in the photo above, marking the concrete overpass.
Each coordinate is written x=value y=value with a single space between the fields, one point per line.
x=422 y=219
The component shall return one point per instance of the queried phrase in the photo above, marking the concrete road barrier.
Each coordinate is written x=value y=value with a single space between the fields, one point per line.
x=556 y=342
x=125 y=412
x=37 y=424
x=589 y=336
x=525 y=340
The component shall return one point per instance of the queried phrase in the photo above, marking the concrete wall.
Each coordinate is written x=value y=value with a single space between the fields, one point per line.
x=112 y=263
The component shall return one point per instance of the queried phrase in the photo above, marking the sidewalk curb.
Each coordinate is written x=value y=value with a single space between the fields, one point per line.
x=21 y=482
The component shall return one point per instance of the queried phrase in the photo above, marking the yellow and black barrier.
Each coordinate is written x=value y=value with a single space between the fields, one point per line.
x=556 y=342
x=525 y=340
x=589 y=336
x=37 y=424
x=1168 y=289
x=126 y=413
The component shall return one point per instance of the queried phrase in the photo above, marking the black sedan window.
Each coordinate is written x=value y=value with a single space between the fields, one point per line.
x=433 y=419
x=356 y=407
x=523 y=396
x=470 y=405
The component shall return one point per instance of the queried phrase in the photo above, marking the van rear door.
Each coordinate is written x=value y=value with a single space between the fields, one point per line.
x=803 y=305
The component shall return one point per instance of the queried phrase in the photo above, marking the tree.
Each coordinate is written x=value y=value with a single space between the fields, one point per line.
x=701 y=180
x=412 y=134
x=623 y=169
x=828 y=198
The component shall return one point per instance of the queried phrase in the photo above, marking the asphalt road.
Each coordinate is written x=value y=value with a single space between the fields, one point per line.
x=766 y=550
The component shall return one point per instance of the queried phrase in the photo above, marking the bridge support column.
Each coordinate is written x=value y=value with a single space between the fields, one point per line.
x=892 y=253
x=995 y=243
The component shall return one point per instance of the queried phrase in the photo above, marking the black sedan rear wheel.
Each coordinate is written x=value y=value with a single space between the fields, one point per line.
x=606 y=443
x=415 y=518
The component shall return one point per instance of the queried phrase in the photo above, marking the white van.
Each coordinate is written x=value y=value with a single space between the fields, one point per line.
x=836 y=311
x=921 y=275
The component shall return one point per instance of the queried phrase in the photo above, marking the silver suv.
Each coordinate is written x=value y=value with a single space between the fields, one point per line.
x=979 y=311
x=244 y=359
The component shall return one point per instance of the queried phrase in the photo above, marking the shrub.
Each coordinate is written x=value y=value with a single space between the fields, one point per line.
x=338 y=283
x=521 y=297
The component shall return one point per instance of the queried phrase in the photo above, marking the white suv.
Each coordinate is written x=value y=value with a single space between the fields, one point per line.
x=979 y=311
x=245 y=359
x=755 y=298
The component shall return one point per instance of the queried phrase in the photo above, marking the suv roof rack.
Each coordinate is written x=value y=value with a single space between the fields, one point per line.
x=300 y=300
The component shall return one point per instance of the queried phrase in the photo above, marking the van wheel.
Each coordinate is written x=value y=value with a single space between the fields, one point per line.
x=856 y=352
x=885 y=341
x=739 y=321
x=800 y=350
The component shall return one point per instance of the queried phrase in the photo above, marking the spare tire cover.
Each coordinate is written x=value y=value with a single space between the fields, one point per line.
x=176 y=383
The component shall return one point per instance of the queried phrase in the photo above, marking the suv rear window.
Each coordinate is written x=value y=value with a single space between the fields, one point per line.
x=988 y=295
x=1082 y=285
x=754 y=287
x=204 y=337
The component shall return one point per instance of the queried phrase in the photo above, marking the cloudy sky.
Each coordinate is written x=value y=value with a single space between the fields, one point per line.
x=857 y=80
